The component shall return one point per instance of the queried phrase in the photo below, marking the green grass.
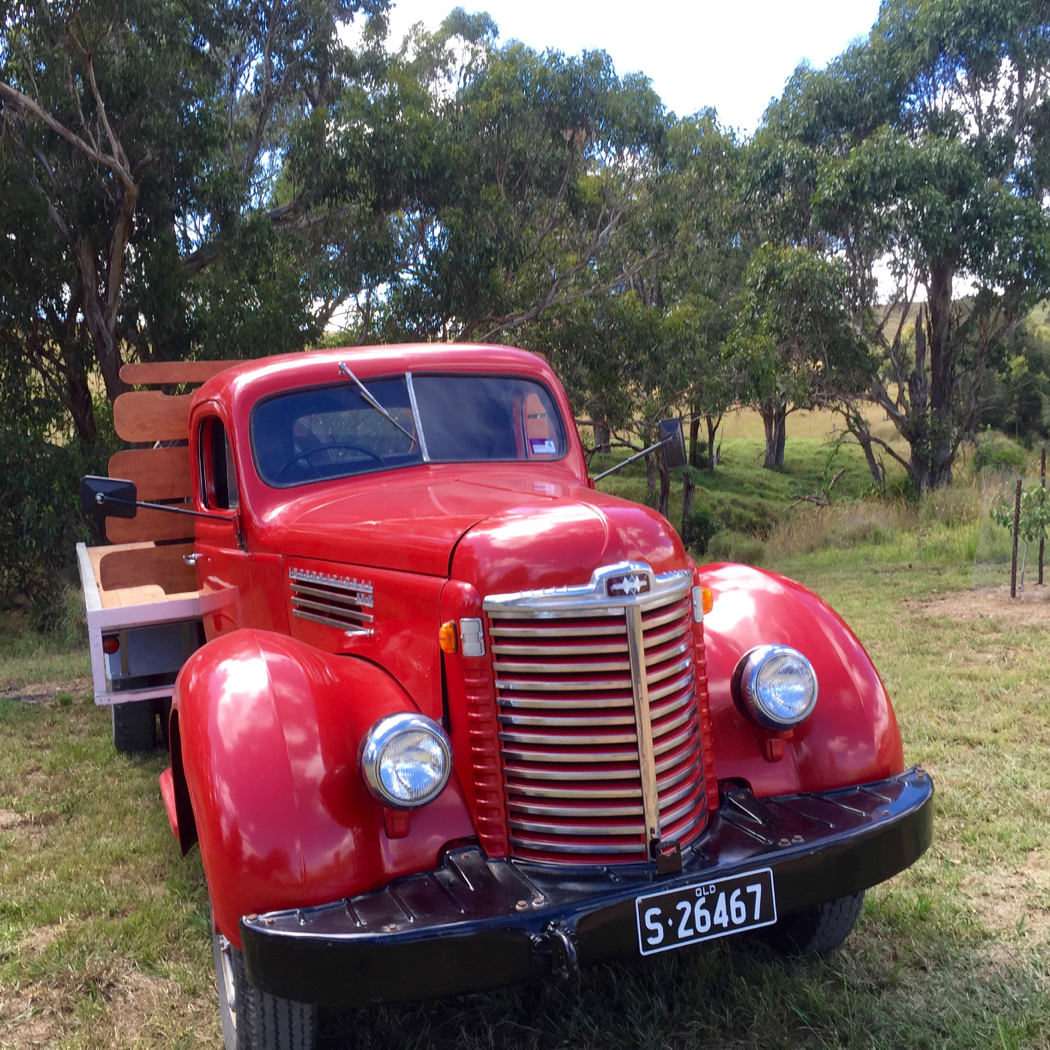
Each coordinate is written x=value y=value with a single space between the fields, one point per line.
x=103 y=929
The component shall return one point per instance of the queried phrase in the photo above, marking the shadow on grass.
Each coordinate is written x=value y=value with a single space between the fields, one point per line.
x=908 y=978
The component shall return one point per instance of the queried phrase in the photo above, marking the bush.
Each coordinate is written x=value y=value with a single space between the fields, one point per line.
x=736 y=546
x=701 y=527
x=40 y=523
x=840 y=525
x=996 y=451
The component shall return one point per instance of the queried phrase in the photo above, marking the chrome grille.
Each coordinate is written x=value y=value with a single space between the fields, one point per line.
x=338 y=601
x=569 y=744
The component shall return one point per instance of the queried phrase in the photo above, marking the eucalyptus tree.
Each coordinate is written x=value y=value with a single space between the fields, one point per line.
x=144 y=141
x=794 y=344
x=926 y=159
x=520 y=176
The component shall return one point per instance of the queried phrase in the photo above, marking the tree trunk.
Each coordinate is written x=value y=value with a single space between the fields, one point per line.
x=602 y=437
x=665 y=487
x=650 y=473
x=694 y=441
x=774 y=415
x=713 y=423
x=80 y=406
x=687 y=498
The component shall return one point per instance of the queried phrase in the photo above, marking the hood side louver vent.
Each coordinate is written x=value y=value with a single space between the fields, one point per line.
x=338 y=601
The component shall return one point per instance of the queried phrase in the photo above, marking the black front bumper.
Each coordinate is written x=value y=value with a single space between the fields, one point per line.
x=475 y=923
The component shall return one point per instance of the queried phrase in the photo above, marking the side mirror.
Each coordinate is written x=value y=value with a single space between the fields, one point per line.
x=673 y=441
x=107 y=497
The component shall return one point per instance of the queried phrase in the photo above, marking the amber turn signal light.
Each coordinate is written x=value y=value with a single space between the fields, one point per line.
x=447 y=636
x=708 y=599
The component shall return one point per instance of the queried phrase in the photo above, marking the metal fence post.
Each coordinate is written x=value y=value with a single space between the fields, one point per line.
x=1017 y=529
x=1042 y=479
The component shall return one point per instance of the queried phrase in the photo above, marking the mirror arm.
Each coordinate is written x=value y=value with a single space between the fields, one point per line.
x=631 y=459
x=102 y=499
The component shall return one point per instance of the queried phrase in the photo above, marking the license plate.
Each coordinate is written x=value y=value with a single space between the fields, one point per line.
x=705 y=910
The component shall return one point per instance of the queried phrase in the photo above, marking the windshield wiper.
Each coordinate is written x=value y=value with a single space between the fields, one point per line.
x=363 y=390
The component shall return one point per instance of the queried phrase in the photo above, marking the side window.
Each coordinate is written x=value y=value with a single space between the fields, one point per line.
x=218 y=474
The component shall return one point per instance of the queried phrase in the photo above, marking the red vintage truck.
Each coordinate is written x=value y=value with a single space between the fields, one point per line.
x=450 y=717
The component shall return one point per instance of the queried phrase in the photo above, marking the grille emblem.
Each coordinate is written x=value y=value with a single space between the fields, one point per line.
x=625 y=586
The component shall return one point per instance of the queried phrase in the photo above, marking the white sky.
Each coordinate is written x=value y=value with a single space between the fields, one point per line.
x=734 y=56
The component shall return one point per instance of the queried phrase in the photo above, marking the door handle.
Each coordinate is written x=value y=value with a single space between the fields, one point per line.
x=191 y=559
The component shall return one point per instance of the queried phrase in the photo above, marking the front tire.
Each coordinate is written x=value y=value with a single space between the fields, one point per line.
x=255 y=1020
x=818 y=930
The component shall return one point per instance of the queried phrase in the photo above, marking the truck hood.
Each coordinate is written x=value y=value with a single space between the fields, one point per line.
x=501 y=533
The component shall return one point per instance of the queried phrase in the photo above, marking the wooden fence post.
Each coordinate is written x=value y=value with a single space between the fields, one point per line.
x=1017 y=529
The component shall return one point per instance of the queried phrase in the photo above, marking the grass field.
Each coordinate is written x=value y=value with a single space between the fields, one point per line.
x=103 y=926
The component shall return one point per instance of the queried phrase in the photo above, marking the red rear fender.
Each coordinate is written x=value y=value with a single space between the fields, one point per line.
x=269 y=730
x=852 y=735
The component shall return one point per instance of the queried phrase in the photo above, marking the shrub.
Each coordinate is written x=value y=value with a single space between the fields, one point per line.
x=997 y=452
x=40 y=523
x=701 y=527
x=811 y=529
x=736 y=546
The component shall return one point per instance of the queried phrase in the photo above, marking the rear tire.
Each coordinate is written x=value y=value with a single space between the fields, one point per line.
x=818 y=930
x=134 y=726
x=255 y=1020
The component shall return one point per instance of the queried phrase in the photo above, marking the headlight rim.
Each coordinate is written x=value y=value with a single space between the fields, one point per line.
x=745 y=680
x=382 y=733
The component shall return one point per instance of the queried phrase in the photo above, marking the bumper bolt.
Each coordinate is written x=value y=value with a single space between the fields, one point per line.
x=796 y=839
x=784 y=842
x=521 y=905
x=537 y=901
x=390 y=928
x=251 y=918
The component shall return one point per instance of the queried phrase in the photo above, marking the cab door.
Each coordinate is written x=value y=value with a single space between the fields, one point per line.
x=222 y=563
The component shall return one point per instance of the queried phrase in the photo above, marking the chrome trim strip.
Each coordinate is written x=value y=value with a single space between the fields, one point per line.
x=569 y=793
x=333 y=610
x=415 y=417
x=549 y=757
x=567 y=721
x=547 y=667
x=554 y=650
x=592 y=596
x=617 y=628
x=555 y=828
x=540 y=686
x=551 y=809
x=570 y=739
x=675 y=612
x=667 y=690
x=535 y=704
x=561 y=775
x=566 y=847
x=347 y=628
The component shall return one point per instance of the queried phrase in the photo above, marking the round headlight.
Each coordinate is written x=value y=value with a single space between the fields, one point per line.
x=777 y=686
x=406 y=760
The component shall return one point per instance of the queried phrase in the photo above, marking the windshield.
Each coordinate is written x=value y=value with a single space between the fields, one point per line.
x=333 y=432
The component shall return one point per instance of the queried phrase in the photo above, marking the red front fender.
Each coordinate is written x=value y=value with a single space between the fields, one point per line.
x=269 y=731
x=852 y=735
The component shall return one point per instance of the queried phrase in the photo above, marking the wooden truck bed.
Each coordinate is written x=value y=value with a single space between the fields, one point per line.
x=139 y=591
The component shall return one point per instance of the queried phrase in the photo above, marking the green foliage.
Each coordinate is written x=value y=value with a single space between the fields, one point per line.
x=992 y=450
x=1034 y=519
x=40 y=521
x=730 y=545
x=700 y=528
